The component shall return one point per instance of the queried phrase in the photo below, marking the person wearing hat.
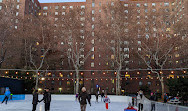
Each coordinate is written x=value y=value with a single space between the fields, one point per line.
x=7 y=95
x=83 y=98
x=47 y=99
x=35 y=100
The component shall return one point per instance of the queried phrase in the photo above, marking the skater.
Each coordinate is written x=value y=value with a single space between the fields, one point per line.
x=165 y=97
x=106 y=101
x=7 y=95
x=102 y=95
x=47 y=99
x=153 y=99
x=89 y=95
x=97 y=97
x=83 y=98
x=77 y=96
x=140 y=101
x=35 y=100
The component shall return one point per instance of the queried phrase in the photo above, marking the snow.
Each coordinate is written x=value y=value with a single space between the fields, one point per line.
x=67 y=103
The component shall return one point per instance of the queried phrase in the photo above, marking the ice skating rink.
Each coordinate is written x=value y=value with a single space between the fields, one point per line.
x=67 y=103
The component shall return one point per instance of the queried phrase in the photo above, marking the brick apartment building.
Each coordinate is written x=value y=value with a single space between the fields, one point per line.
x=98 y=66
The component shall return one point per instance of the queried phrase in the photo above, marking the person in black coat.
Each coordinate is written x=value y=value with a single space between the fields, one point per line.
x=153 y=98
x=97 y=97
x=35 y=100
x=47 y=99
x=102 y=95
x=83 y=98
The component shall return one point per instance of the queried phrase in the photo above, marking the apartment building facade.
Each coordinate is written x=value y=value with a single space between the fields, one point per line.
x=99 y=69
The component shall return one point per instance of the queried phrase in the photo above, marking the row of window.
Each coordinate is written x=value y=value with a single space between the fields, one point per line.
x=63 y=7
x=4 y=0
x=146 y=4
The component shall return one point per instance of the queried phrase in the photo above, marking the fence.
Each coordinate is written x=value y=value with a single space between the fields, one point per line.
x=14 y=97
x=159 y=106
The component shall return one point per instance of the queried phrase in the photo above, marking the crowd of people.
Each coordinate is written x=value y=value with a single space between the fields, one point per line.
x=84 y=98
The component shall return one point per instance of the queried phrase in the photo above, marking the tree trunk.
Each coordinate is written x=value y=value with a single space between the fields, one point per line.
x=162 y=88
x=77 y=81
x=37 y=80
x=118 y=87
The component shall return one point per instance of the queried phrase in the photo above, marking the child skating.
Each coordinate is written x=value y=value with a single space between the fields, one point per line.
x=106 y=101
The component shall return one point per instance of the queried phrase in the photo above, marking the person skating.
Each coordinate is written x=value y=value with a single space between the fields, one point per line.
x=106 y=101
x=83 y=98
x=7 y=95
x=47 y=99
x=153 y=99
x=97 y=97
x=35 y=100
x=140 y=101
x=102 y=95
x=165 y=97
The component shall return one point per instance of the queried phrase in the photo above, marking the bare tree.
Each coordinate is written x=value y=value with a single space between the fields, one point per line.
x=157 y=43
x=117 y=39
x=71 y=34
x=37 y=42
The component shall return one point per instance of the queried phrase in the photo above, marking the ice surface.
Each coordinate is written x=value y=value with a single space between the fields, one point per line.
x=67 y=103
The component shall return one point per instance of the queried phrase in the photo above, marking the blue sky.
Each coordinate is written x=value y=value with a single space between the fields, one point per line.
x=53 y=1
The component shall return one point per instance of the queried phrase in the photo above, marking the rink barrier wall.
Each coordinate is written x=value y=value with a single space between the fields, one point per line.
x=14 y=97
x=113 y=98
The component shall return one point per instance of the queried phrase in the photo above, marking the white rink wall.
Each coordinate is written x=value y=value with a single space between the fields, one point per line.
x=113 y=98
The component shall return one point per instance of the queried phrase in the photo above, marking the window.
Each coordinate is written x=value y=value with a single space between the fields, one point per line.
x=93 y=33
x=92 y=64
x=147 y=36
x=139 y=49
x=63 y=13
x=93 y=18
x=153 y=10
x=17 y=7
x=93 y=4
x=126 y=42
x=83 y=7
x=56 y=19
x=153 y=4
x=93 y=56
x=145 y=4
x=92 y=41
x=56 y=13
x=126 y=5
x=112 y=4
x=149 y=83
x=138 y=5
x=126 y=56
x=63 y=7
x=126 y=49
x=126 y=11
x=93 y=11
x=82 y=18
x=0 y=7
x=16 y=21
x=45 y=8
x=45 y=14
x=18 y=0
x=146 y=10
x=93 y=26
x=71 y=7
x=166 y=4
x=139 y=42
x=17 y=13
x=112 y=56
x=140 y=83
x=56 y=7
x=93 y=49
x=16 y=27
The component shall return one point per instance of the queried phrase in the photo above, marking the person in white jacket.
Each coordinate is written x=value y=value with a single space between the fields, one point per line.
x=140 y=99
